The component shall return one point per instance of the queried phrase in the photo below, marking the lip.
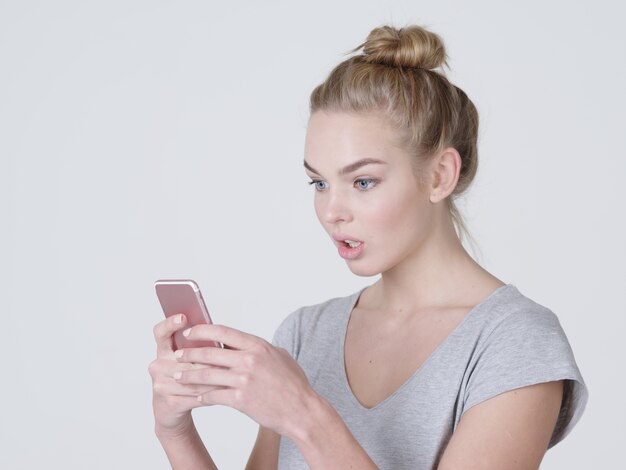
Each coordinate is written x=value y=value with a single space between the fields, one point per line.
x=344 y=250
x=340 y=237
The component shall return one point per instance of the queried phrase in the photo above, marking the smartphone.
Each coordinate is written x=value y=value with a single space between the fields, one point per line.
x=184 y=296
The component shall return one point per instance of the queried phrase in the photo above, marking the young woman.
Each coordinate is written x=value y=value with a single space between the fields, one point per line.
x=437 y=364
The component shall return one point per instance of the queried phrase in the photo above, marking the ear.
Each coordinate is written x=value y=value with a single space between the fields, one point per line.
x=446 y=167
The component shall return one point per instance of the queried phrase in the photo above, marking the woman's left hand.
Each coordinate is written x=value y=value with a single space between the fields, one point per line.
x=253 y=376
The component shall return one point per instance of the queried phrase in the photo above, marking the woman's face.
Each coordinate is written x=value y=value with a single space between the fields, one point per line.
x=378 y=204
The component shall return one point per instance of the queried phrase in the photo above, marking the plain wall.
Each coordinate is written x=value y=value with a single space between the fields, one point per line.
x=157 y=139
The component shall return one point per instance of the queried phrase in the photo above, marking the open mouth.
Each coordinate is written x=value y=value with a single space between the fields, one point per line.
x=351 y=244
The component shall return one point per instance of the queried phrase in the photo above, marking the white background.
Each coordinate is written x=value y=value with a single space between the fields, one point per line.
x=157 y=139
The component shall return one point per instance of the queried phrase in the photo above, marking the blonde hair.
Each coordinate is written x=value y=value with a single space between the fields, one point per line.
x=396 y=74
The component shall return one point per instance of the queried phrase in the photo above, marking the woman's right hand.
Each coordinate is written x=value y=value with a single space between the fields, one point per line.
x=172 y=402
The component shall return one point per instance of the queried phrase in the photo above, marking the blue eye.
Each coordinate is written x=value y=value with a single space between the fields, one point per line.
x=369 y=183
x=317 y=186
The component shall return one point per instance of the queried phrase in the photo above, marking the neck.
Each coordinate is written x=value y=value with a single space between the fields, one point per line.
x=439 y=272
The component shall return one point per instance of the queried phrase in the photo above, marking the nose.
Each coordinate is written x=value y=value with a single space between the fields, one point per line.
x=334 y=208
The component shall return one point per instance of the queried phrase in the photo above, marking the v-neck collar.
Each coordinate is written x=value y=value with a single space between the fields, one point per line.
x=352 y=301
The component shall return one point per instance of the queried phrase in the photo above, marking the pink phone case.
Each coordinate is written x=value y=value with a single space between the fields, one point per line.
x=183 y=296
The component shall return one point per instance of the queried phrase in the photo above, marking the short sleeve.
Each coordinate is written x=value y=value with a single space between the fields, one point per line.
x=529 y=347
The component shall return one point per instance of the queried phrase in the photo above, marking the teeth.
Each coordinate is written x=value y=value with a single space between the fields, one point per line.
x=352 y=244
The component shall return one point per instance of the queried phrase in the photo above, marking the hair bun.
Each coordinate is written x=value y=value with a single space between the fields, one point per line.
x=412 y=46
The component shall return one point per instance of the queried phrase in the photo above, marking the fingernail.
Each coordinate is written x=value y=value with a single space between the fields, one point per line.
x=186 y=332
x=178 y=353
x=178 y=375
x=178 y=319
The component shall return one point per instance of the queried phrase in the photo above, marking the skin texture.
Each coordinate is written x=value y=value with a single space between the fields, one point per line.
x=428 y=281
x=391 y=215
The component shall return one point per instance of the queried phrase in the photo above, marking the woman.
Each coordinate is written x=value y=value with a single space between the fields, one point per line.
x=438 y=364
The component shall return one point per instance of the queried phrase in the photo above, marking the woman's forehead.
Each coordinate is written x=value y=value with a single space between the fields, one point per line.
x=339 y=139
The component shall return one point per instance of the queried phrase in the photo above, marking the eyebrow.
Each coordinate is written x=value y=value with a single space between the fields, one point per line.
x=350 y=168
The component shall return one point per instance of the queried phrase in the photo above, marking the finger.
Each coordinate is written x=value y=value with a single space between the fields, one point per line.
x=212 y=376
x=162 y=369
x=221 y=396
x=173 y=388
x=222 y=334
x=182 y=403
x=209 y=355
x=164 y=330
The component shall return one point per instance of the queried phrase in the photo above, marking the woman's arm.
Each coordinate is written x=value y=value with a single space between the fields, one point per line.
x=172 y=402
x=323 y=439
x=184 y=448
x=267 y=384
x=511 y=430
x=326 y=442
x=264 y=455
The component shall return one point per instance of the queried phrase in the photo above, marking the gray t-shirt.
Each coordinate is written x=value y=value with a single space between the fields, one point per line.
x=505 y=342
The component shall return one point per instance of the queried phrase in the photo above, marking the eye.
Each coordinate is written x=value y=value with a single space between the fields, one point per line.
x=317 y=186
x=365 y=183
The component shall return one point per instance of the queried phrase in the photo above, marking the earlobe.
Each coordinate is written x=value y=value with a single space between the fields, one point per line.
x=446 y=174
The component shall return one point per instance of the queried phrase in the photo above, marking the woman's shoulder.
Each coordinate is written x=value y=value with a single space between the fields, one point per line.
x=302 y=322
x=308 y=315
x=508 y=321
x=517 y=342
x=508 y=307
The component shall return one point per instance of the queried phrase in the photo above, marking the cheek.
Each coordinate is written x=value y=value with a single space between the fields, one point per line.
x=317 y=205
x=399 y=216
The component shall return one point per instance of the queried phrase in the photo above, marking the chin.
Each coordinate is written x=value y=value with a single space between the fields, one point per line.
x=363 y=270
